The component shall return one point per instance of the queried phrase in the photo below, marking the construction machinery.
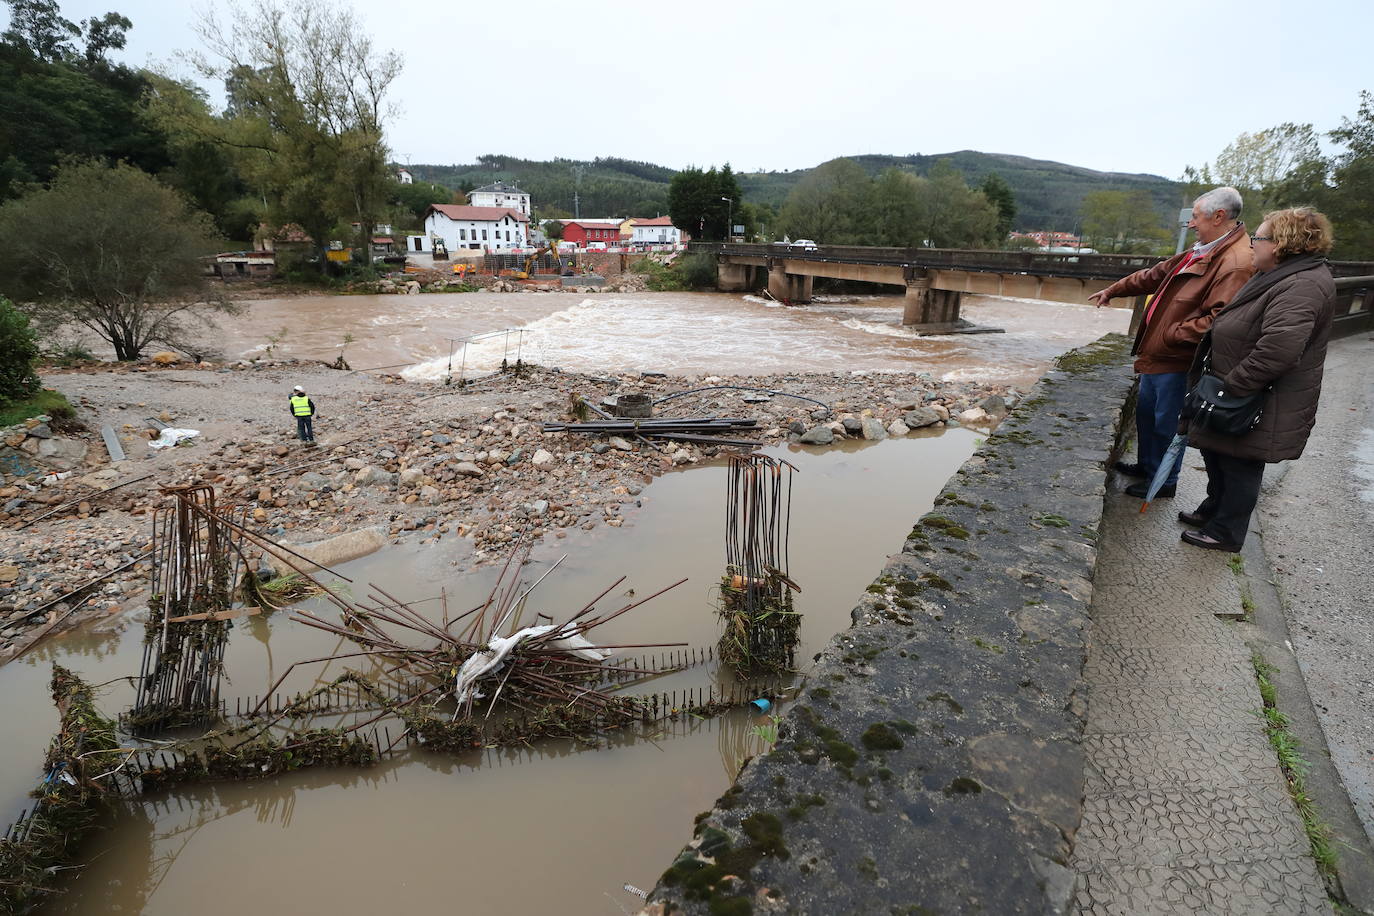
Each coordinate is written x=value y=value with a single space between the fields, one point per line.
x=533 y=260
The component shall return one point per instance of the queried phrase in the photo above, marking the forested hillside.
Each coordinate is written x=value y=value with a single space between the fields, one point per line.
x=1048 y=194
x=605 y=187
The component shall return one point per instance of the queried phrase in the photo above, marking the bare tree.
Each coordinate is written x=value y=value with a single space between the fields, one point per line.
x=112 y=249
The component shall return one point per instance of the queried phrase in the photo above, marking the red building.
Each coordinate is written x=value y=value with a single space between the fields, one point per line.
x=581 y=232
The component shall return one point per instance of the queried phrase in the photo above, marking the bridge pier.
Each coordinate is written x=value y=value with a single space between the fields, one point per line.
x=733 y=278
x=927 y=308
x=794 y=288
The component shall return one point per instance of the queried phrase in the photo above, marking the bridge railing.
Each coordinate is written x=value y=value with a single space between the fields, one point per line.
x=1086 y=266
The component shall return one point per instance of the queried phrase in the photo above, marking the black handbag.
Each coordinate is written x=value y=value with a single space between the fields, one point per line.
x=1208 y=407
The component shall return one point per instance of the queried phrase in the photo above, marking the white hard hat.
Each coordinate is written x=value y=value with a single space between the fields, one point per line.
x=298 y=388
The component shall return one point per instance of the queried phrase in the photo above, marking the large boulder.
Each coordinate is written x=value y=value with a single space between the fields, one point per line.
x=873 y=429
x=370 y=476
x=818 y=435
x=994 y=405
x=921 y=416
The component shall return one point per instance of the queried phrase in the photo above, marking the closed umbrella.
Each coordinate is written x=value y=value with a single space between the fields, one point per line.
x=1172 y=455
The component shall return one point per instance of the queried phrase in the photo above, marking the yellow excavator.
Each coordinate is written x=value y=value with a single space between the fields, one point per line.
x=533 y=260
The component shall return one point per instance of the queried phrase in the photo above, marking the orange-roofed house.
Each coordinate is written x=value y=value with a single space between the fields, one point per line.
x=479 y=228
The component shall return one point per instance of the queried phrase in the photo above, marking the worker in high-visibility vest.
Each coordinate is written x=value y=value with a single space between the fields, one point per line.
x=303 y=409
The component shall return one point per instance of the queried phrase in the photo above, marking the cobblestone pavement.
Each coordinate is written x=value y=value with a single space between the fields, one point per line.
x=1186 y=809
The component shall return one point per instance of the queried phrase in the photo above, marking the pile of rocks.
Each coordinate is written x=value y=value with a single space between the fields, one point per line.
x=35 y=443
x=37 y=567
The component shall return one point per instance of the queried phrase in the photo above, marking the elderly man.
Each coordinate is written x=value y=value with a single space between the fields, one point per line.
x=1189 y=289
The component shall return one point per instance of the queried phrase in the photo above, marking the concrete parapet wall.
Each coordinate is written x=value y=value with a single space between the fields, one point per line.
x=933 y=764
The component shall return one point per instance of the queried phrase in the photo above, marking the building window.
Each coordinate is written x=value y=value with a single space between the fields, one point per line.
x=463 y=235
x=508 y=235
x=484 y=235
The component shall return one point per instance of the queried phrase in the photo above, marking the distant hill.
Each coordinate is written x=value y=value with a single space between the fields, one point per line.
x=606 y=187
x=1048 y=194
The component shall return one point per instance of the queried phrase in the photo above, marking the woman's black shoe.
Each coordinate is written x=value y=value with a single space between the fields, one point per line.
x=1207 y=542
x=1130 y=470
x=1138 y=490
x=1193 y=518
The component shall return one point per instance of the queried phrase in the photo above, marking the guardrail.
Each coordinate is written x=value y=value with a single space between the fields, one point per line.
x=1035 y=263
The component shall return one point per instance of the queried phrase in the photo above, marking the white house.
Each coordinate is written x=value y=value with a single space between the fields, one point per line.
x=491 y=228
x=404 y=176
x=657 y=231
x=500 y=194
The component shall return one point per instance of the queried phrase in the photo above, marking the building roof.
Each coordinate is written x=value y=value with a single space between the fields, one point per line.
x=593 y=223
x=458 y=212
x=498 y=187
x=656 y=221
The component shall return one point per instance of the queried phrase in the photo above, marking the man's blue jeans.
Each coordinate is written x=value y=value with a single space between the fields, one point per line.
x=1158 y=402
x=305 y=429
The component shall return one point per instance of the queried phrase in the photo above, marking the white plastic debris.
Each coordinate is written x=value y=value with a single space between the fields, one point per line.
x=493 y=657
x=169 y=437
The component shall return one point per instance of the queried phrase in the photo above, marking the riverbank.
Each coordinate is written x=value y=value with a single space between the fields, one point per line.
x=469 y=466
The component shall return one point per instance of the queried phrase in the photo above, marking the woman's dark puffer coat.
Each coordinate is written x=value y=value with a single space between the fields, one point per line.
x=1275 y=331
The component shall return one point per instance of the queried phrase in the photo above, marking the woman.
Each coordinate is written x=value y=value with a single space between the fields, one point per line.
x=1272 y=333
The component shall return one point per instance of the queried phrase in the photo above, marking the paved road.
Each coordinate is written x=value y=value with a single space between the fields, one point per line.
x=1317 y=517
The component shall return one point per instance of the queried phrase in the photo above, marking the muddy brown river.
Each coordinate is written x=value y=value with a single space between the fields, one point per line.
x=679 y=333
x=555 y=828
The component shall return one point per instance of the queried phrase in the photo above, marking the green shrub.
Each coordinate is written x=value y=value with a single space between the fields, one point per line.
x=696 y=271
x=18 y=350
x=47 y=402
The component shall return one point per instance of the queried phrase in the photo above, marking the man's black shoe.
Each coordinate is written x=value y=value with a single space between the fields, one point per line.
x=1192 y=518
x=1130 y=470
x=1207 y=542
x=1138 y=490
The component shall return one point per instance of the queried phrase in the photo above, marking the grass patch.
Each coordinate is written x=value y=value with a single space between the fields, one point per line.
x=1295 y=768
x=52 y=403
x=1247 y=598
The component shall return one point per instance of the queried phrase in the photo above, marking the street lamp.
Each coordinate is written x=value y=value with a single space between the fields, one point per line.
x=729 y=213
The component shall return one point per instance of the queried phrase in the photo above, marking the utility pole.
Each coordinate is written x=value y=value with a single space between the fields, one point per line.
x=729 y=213
x=577 y=188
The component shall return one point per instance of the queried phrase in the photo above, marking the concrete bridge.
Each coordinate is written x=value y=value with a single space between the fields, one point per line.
x=936 y=278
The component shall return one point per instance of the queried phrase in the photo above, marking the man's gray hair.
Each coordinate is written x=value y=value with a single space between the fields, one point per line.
x=1227 y=199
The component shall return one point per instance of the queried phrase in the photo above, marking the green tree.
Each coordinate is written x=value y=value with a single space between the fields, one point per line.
x=18 y=351
x=1351 y=204
x=1121 y=222
x=830 y=205
x=39 y=27
x=896 y=210
x=56 y=103
x=112 y=249
x=307 y=108
x=415 y=198
x=1261 y=166
x=1000 y=195
x=953 y=215
x=697 y=201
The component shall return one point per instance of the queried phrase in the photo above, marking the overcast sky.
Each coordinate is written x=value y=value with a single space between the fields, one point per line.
x=1126 y=87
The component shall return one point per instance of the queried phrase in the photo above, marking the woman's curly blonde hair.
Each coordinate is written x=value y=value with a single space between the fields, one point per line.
x=1300 y=230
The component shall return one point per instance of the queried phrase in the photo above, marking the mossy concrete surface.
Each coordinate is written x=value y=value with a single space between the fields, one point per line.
x=934 y=763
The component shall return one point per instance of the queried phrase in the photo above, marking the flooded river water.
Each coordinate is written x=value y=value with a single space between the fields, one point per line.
x=679 y=333
x=555 y=828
